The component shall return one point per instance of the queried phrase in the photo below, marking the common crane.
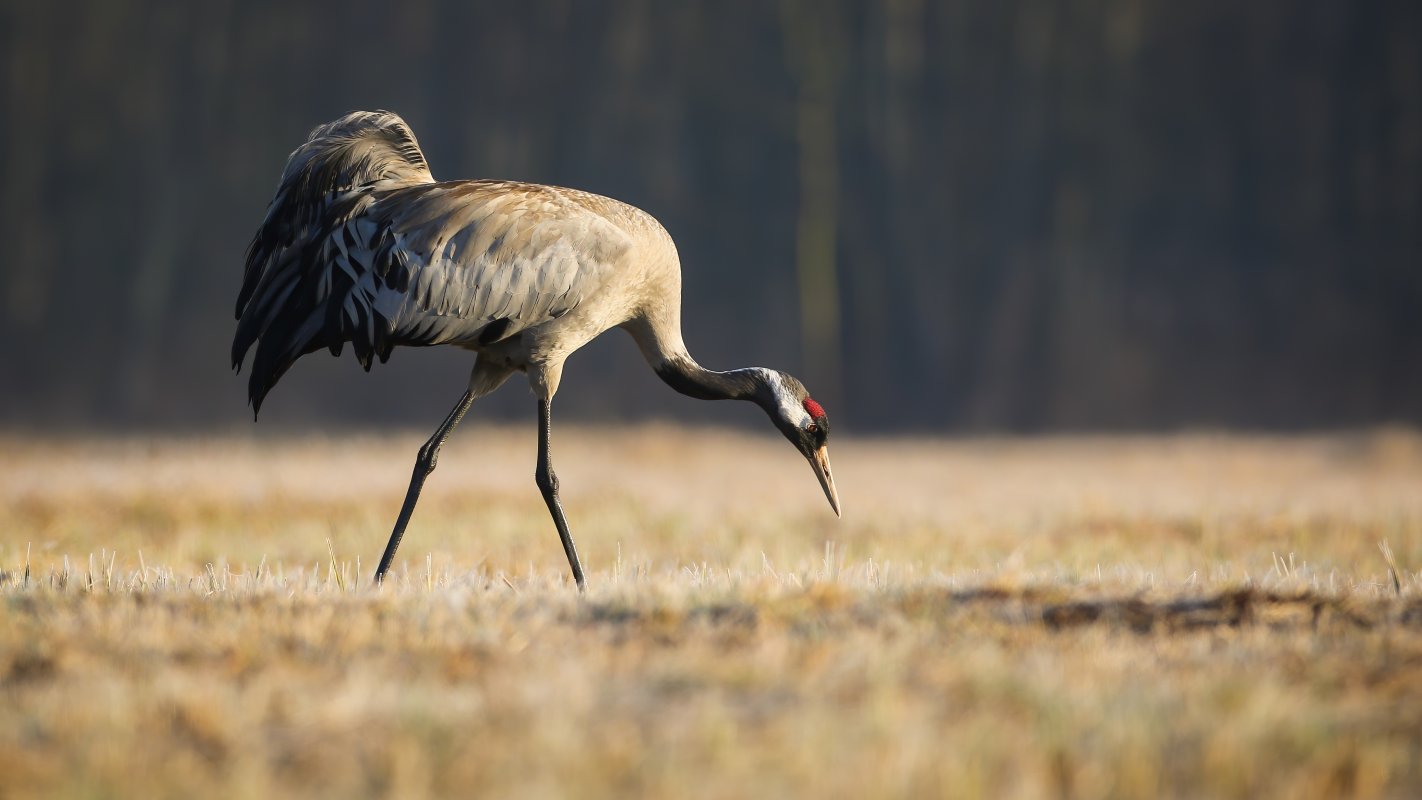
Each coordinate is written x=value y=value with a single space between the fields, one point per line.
x=362 y=245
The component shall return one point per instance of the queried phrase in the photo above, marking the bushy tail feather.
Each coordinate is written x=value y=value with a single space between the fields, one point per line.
x=282 y=306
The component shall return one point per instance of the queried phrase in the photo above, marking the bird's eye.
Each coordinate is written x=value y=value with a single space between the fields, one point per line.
x=812 y=428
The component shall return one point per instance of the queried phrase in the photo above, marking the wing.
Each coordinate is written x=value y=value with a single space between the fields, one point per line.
x=473 y=262
x=463 y=262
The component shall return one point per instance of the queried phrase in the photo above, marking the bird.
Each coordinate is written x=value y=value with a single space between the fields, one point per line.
x=362 y=246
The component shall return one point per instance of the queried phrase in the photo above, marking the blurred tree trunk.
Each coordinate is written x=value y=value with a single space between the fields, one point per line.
x=27 y=138
x=815 y=42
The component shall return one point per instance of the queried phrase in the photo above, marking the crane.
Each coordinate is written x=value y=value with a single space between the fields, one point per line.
x=361 y=245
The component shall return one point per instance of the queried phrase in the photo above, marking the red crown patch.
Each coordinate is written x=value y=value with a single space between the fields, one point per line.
x=816 y=410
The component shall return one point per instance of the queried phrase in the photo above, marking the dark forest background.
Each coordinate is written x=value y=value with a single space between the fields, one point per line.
x=989 y=215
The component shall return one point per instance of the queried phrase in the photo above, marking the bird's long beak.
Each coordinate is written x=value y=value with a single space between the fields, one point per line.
x=819 y=460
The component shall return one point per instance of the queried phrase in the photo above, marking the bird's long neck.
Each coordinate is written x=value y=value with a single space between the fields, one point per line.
x=659 y=338
x=693 y=380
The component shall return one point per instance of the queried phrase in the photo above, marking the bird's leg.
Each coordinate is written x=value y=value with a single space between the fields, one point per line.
x=424 y=465
x=548 y=484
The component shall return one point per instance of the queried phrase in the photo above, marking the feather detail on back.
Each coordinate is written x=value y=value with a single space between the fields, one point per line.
x=360 y=245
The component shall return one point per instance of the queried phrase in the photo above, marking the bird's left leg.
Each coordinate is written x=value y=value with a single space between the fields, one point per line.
x=484 y=379
x=548 y=484
x=424 y=465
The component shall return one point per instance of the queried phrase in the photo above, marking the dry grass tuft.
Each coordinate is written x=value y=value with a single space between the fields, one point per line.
x=1141 y=617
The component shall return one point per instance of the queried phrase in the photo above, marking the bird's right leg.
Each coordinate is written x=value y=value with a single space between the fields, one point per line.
x=548 y=484
x=424 y=465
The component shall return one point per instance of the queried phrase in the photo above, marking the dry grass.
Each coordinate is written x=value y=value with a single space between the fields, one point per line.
x=1176 y=616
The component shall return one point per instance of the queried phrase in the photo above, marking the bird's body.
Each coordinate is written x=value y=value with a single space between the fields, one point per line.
x=362 y=246
x=521 y=273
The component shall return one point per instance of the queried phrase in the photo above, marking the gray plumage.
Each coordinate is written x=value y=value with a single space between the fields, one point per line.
x=361 y=245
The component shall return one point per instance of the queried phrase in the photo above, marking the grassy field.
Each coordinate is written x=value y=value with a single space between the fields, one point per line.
x=1187 y=616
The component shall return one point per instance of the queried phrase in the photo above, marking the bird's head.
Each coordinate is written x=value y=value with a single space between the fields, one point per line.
x=804 y=422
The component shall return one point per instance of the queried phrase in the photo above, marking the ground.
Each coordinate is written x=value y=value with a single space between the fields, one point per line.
x=1187 y=616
